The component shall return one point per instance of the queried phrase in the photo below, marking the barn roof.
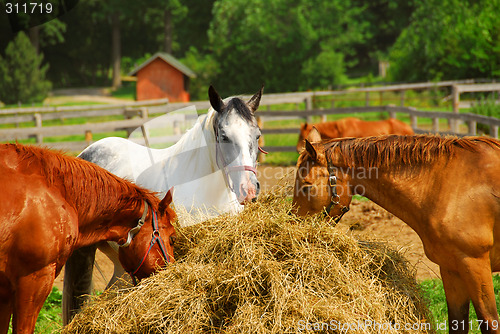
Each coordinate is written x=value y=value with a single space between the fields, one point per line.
x=168 y=58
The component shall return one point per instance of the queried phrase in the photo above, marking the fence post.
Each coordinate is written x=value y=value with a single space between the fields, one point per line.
x=435 y=124
x=367 y=99
x=494 y=131
x=261 y=157
x=413 y=118
x=38 y=124
x=144 y=113
x=308 y=103
x=456 y=104
x=88 y=137
x=402 y=97
x=392 y=113
x=324 y=116
x=472 y=125
x=413 y=121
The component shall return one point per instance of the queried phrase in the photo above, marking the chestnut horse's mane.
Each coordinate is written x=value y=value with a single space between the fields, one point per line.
x=80 y=179
x=394 y=150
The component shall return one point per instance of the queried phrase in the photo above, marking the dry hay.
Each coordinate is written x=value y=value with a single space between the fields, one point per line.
x=265 y=271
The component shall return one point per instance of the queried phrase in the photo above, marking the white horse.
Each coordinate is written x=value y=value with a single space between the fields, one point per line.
x=212 y=169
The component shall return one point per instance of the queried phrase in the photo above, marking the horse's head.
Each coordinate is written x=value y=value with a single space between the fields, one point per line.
x=304 y=132
x=150 y=243
x=319 y=185
x=237 y=142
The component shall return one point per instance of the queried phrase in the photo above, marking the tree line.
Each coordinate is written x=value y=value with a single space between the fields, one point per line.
x=237 y=45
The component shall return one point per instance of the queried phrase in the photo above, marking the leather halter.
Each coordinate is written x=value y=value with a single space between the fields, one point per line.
x=155 y=238
x=334 y=197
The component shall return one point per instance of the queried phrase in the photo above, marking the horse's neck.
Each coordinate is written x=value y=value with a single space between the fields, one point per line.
x=396 y=191
x=108 y=221
x=190 y=167
x=195 y=151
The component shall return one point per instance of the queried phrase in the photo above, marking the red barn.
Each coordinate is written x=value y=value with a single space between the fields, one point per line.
x=162 y=76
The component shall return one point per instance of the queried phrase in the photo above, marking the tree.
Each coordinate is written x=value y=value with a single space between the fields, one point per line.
x=452 y=39
x=22 y=76
x=206 y=69
x=49 y=33
x=161 y=17
x=383 y=21
x=118 y=12
x=279 y=43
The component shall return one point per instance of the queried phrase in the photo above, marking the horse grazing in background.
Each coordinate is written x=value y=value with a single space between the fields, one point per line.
x=53 y=204
x=212 y=166
x=354 y=127
x=446 y=189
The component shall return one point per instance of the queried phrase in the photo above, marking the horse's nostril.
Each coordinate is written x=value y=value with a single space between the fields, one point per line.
x=258 y=188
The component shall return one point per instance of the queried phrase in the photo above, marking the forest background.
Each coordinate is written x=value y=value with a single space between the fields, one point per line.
x=238 y=45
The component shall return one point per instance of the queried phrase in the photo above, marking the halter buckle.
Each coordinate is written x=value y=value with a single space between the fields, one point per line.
x=332 y=180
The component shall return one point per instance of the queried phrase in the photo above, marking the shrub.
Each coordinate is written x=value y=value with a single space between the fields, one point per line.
x=22 y=76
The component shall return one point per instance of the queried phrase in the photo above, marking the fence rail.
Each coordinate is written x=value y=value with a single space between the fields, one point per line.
x=132 y=115
x=470 y=119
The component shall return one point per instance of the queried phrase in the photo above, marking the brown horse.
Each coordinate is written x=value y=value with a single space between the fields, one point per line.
x=446 y=189
x=354 y=127
x=52 y=204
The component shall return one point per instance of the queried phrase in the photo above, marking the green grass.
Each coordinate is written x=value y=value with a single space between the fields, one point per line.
x=433 y=291
x=126 y=91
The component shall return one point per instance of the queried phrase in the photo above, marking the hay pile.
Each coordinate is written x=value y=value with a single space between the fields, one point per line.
x=265 y=271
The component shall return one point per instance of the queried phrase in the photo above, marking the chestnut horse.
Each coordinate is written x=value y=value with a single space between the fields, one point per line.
x=446 y=189
x=52 y=204
x=354 y=127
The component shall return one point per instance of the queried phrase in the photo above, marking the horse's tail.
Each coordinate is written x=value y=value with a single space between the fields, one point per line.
x=77 y=281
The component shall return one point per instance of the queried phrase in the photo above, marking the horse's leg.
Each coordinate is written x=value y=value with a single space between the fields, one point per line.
x=31 y=293
x=476 y=273
x=77 y=281
x=458 y=301
x=110 y=249
x=5 y=314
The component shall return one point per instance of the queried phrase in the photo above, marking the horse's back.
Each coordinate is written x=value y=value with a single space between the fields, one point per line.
x=108 y=153
x=400 y=127
x=120 y=156
x=337 y=129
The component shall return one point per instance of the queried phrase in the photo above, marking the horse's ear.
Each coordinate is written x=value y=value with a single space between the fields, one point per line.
x=165 y=202
x=314 y=136
x=311 y=150
x=254 y=102
x=215 y=99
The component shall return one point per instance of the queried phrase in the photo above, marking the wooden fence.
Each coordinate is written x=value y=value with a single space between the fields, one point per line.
x=470 y=119
x=133 y=115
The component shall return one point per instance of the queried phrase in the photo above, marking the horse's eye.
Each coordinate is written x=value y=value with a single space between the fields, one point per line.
x=258 y=137
x=172 y=240
x=224 y=138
